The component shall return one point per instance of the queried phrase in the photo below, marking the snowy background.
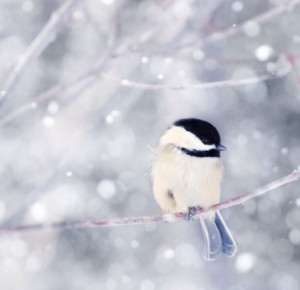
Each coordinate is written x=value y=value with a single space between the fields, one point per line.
x=81 y=107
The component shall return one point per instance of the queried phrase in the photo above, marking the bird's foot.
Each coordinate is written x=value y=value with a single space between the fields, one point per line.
x=192 y=211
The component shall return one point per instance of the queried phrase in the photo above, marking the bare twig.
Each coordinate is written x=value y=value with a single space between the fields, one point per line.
x=53 y=91
x=229 y=32
x=200 y=86
x=96 y=71
x=80 y=83
x=259 y=20
x=167 y=218
x=37 y=46
x=222 y=35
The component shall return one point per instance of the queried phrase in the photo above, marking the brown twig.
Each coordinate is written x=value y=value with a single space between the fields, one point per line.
x=40 y=42
x=167 y=218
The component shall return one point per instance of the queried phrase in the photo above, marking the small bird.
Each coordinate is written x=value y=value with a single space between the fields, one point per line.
x=187 y=174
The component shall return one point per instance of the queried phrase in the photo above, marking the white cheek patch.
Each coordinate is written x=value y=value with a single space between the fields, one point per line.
x=179 y=137
x=202 y=147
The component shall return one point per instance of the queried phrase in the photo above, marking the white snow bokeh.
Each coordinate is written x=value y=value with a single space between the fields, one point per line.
x=80 y=128
x=245 y=262
x=106 y=189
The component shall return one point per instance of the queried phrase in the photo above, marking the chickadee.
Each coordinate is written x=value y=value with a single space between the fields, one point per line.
x=186 y=175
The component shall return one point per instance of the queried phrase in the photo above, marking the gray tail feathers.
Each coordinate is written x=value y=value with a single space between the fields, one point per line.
x=228 y=242
x=217 y=237
x=212 y=237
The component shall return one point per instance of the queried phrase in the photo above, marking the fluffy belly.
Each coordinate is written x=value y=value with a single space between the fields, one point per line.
x=203 y=194
x=188 y=181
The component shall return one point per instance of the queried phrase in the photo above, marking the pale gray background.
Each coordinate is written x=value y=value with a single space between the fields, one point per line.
x=84 y=153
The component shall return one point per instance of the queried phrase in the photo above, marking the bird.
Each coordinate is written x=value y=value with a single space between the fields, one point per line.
x=186 y=175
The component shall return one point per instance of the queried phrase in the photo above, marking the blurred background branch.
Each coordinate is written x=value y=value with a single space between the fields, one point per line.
x=40 y=42
x=93 y=74
x=201 y=86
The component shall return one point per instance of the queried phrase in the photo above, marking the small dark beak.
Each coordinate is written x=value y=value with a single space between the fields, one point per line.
x=220 y=147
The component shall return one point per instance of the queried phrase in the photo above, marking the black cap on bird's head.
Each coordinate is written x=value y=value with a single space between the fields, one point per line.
x=203 y=130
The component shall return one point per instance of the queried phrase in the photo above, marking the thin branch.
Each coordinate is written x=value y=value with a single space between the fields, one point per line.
x=96 y=71
x=40 y=42
x=222 y=35
x=63 y=87
x=259 y=20
x=80 y=83
x=53 y=91
x=167 y=218
x=229 y=32
x=200 y=86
